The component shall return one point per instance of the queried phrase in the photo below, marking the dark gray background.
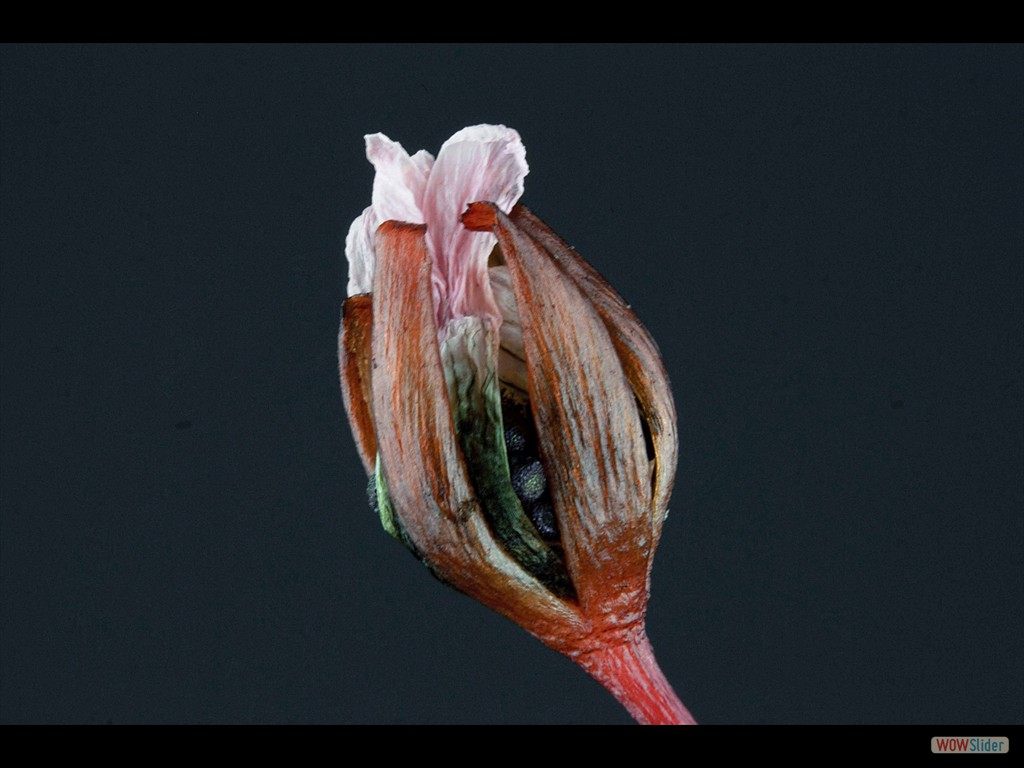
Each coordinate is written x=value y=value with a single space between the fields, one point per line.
x=825 y=241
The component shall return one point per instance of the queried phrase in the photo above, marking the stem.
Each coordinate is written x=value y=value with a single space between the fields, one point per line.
x=631 y=674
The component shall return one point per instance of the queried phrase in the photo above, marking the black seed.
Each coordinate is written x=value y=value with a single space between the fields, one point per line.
x=183 y=424
x=543 y=518
x=529 y=482
x=515 y=441
x=520 y=437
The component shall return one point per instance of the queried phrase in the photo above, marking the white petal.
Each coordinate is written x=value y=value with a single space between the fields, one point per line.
x=424 y=163
x=512 y=371
x=359 y=252
x=512 y=354
x=401 y=180
x=483 y=162
x=504 y=296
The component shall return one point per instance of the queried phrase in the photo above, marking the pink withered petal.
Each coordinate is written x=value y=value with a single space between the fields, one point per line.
x=398 y=189
x=482 y=162
x=400 y=181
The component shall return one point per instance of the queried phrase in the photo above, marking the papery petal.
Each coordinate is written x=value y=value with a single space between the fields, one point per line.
x=483 y=162
x=505 y=299
x=511 y=354
x=359 y=252
x=637 y=350
x=423 y=162
x=588 y=429
x=400 y=181
x=422 y=462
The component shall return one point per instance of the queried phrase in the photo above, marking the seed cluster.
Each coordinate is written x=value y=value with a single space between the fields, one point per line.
x=528 y=478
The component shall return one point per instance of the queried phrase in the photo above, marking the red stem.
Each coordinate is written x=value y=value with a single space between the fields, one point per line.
x=632 y=675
